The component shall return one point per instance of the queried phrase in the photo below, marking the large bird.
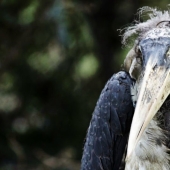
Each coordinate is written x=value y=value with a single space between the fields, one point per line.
x=141 y=91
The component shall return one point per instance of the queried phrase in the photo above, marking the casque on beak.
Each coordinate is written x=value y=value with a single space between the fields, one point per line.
x=155 y=86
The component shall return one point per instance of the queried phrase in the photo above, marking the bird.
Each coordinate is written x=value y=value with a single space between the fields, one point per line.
x=130 y=125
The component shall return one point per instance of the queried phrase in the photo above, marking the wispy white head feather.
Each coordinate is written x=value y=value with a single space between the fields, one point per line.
x=155 y=17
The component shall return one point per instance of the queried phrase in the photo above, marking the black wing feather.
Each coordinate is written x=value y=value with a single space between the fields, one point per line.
x=109 y=128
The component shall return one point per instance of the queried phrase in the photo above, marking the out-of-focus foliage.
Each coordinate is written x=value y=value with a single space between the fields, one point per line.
x=55 y=57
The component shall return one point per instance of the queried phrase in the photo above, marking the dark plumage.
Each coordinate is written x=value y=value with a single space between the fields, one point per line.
x=110 y=124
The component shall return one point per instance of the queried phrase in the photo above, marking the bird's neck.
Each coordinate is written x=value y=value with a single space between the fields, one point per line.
x=151 y=151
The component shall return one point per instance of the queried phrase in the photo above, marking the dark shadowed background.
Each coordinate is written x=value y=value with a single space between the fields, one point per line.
x=55 y=57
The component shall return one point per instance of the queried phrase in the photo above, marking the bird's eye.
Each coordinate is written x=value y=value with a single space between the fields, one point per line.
x=168 y=53
x=139 y=55
x=139 y=60
x=138 y=50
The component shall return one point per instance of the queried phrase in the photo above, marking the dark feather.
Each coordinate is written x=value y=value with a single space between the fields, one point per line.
x=109 y=128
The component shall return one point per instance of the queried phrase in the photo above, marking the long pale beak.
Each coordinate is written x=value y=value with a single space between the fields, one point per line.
x=155 y=87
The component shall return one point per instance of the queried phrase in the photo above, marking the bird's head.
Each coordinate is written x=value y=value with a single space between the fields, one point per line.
x=149 y=63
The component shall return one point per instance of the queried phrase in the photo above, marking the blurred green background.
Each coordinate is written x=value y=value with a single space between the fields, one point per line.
x=55 y=57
